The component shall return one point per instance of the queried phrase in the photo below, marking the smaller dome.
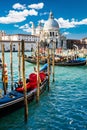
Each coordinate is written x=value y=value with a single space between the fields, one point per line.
x=39 y=27
x=51 y=23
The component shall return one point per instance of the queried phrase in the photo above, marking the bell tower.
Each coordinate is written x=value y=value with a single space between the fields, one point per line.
x=33 y=29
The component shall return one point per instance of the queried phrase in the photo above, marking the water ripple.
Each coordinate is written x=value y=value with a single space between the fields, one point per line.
x=64 y=107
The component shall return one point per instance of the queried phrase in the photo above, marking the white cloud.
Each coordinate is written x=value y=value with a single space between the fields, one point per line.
x=26 y=28
x=65 y=23
x=36 y=6
x=18 y=6
x=33 y=12
x=17 y=16
x=42 y=21
x=83 y=22
x=66 y=33
x=16 y=25
x=45 y=13
x=71 y=23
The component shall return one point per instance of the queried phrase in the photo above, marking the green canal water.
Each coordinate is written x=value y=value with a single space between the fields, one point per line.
x=64 y=107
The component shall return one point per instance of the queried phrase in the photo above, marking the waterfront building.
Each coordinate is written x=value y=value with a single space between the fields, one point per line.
x=82 y=43
x=30 y=41
x=50 y=31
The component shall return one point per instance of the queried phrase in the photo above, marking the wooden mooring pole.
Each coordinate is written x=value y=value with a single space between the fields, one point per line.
x=11 y=65
x=24 y=83
x=48 y=68
x=38 y=77
x=3 y=69
x=19 y=61
x=53 y=63
x=2 y=47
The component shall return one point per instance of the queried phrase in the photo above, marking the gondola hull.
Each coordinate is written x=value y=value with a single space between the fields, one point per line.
x=71 y=64
x=60 y=63
x=15 y=100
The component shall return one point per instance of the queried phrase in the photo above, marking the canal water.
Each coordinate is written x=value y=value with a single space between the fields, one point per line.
x=64 y=107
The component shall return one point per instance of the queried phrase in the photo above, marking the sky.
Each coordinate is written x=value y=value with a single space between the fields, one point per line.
x=16 y=16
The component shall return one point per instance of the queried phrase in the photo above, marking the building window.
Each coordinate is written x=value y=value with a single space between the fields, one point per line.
x=50 y=34
x=61 y=43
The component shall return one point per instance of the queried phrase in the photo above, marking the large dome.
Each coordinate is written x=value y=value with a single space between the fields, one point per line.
x=51 y=23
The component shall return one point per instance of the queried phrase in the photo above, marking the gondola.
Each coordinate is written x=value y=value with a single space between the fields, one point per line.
x=33 y=60
x=14 y=99
x=75 y=62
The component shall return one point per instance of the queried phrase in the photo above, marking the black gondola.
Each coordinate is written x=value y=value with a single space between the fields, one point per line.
x=13 y=100
x=75 y=62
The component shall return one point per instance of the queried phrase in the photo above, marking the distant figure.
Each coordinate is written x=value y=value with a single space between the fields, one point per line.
x=0 y=60
x=5 y=76
x=20 y=83
x=27 y=80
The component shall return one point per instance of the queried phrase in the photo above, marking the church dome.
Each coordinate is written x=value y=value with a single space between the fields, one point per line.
x=39 y=27
x=51 y=23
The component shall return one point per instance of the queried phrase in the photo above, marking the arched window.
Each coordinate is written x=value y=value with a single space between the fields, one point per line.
x=50 y=33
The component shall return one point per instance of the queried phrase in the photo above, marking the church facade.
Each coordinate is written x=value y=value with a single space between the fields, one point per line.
x=50 y=32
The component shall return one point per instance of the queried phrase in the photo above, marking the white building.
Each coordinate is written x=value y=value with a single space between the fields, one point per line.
x=30 y=41
x=50 y=31
x=84 y=40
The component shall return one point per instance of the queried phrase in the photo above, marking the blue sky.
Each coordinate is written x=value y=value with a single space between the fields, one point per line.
x=16 y=16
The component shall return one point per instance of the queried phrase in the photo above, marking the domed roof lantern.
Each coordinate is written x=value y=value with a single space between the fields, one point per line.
x=51 y=15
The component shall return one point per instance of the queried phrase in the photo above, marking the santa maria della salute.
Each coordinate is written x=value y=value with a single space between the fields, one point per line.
x=49 y=32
